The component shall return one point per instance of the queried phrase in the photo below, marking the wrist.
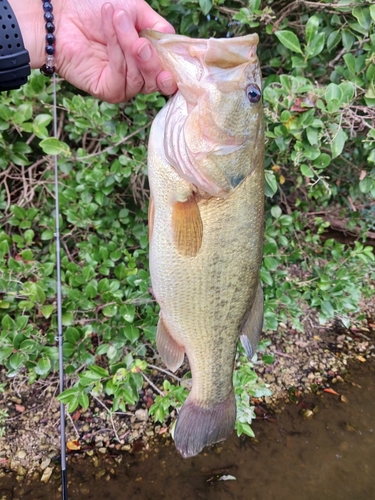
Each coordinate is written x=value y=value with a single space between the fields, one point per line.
x=29 y=15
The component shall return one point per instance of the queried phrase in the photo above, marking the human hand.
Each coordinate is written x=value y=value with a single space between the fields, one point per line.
x=98 y=48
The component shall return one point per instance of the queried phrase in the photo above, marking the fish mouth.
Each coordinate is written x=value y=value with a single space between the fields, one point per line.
x=176 y=50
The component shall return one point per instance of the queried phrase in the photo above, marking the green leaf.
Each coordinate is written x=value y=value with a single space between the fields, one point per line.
x=268 y=359
x=333 y=96
x=311 y=29
x=270 y=183
x=306 y=170
x=38 y=292
x=5 y=352
x=347 y=39
x=347 y=89
x=16 y=361
x=132 y=333
x=47 y=235
x=121 y=271
x=322 y=161
x=244 y=428
x=363 y=16
x=276 y=211
x=350 y=62
x=47 y=310
x=8 y=323
x=128 y=312
x=316 y=45
x=91 y=290
x=312 y=136
x=110 y=310
x=98 y=370
x=72 y=335
x=68 y=349
x=67 y=318
x=333 y=39
x=21 y=322
x=53 y=146
x=83 y=400
x=338 y=142
x=19 y=212
x=206 y=6
x=372 y=12
x=289 y=40
x=43 y=366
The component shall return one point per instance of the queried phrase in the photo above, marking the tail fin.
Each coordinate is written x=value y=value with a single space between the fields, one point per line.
x=198 y=427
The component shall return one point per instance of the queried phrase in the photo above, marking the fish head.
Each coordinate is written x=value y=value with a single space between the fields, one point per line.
x=214 y=127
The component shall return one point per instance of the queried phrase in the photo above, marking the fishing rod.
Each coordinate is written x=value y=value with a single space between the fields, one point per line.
x=59 y=337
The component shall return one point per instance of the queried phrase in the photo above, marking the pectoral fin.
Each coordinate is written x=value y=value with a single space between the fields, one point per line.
x=253 y=324
x=170 y=351
x=187 y=227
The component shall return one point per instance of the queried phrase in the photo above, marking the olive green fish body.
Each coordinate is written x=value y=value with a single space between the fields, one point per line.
x=206 y=232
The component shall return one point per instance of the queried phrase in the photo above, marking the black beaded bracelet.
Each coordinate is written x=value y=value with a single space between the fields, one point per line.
x=48 y=67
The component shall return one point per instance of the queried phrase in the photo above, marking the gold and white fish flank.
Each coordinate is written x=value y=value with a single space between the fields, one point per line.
x=206 y=162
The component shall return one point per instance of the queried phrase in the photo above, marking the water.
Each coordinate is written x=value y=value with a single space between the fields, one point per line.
x=328 y=457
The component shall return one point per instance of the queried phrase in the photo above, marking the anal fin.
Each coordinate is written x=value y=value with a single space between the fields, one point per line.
x=253 y=324
x=187 y=227
x=170 y=351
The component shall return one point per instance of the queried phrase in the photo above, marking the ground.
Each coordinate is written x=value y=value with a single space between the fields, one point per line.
x=311 y=361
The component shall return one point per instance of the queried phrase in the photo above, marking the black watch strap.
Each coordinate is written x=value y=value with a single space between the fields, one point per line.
x=14 y=58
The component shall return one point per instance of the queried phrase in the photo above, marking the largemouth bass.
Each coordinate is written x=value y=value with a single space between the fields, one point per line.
x=206 y=161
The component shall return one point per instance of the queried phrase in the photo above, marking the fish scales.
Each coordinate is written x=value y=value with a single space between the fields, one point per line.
x=205 y=250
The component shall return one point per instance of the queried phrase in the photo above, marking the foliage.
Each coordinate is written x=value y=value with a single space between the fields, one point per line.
x=318 y=61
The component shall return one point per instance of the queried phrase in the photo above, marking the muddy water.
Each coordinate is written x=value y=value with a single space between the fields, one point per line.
x=330 y=456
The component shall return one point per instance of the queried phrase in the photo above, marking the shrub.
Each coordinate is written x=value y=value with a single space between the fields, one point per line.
x=318 y=62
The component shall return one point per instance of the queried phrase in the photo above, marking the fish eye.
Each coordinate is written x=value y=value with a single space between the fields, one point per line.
x=254 y=93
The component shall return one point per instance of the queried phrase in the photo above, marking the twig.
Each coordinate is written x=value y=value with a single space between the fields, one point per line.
x=105 y=150
x=111 y=416
x=358 y=334
x=74 y=427
x=167 y=372
x=152 y=384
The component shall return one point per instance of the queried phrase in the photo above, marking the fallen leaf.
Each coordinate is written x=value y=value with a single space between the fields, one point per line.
x=361 y=359
x=228 y=477
x=20 y=408
x=331 y=391
x=149 y=402
x=316 y=337
x=76 y=415
x=163 y=430
x=344 y=399
x=73 y=445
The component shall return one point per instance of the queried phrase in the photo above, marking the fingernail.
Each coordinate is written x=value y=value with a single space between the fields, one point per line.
x=144 y=52
x=167 y=83
x=124 y=22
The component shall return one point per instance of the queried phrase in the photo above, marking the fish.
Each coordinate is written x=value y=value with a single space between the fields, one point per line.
x=206 y=217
